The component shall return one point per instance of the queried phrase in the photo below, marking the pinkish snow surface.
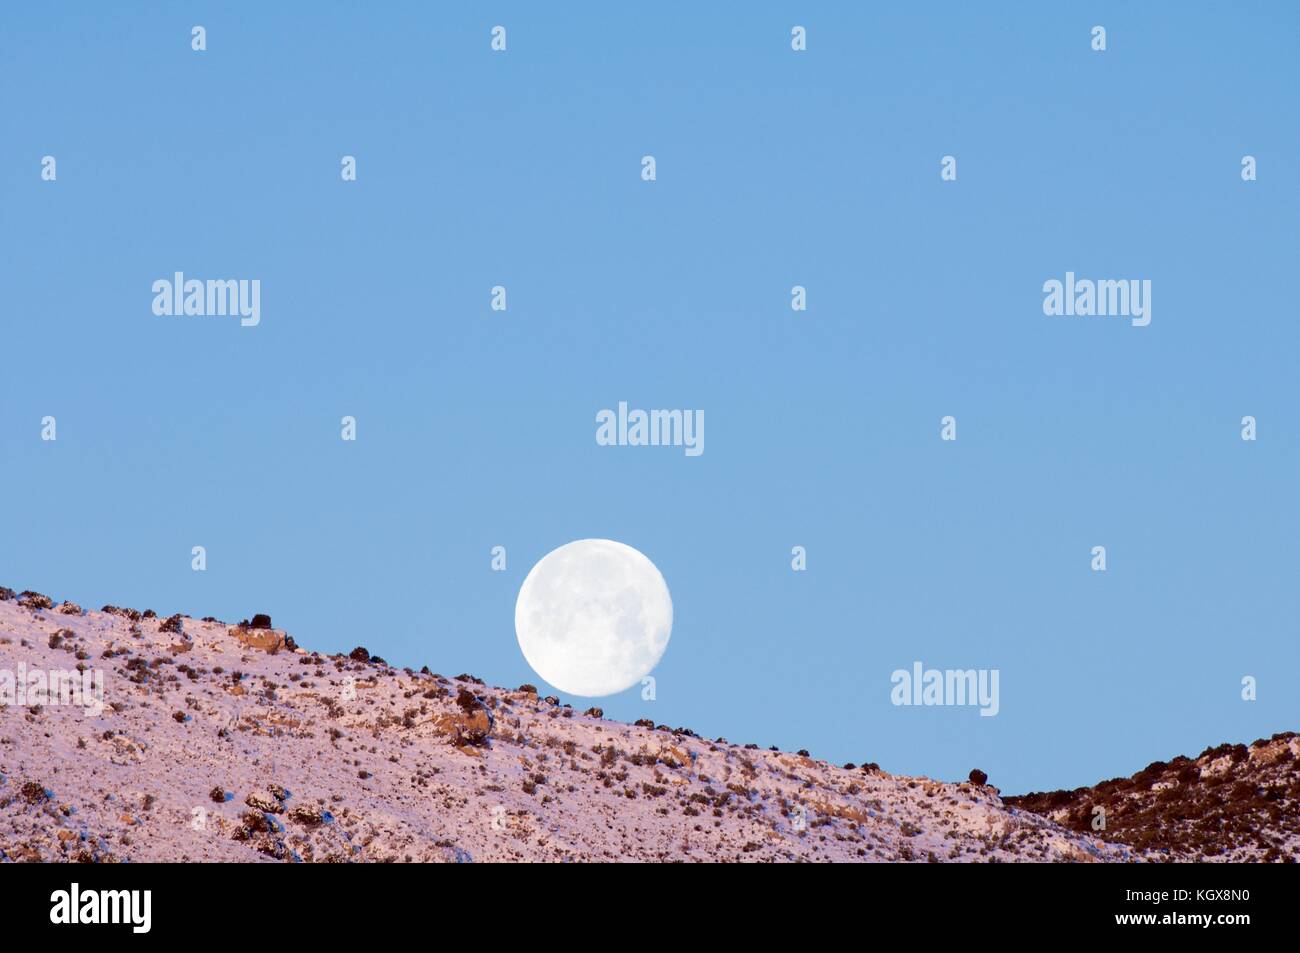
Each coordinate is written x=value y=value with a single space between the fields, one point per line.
x=374 y=749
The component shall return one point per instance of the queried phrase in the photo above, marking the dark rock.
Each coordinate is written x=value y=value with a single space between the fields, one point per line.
x=34 y=600
x=272 y=847
x=263 y=803
x=308 y=816
x=468 y=700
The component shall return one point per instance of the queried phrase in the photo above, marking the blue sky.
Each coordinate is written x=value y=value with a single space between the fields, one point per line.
x=775 y=168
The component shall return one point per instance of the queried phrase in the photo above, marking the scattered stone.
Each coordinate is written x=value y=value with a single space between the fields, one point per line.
x=307 y=815
x=261 y=802
x=272 y=847
x=251 y=823
x=33 y=792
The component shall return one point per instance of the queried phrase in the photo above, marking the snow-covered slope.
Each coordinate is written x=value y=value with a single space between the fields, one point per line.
x=229 y=743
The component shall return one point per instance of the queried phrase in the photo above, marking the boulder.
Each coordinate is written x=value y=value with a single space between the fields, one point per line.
x=267 y=640
x=264 y=803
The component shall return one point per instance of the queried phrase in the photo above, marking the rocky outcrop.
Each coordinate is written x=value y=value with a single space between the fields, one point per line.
x=1231 y=802
x=34 y=600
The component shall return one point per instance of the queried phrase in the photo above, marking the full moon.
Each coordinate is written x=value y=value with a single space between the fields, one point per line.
x=593 y=617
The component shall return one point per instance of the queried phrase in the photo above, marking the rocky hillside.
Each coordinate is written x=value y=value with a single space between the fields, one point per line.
x=223 y=742
x=1230 y=803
